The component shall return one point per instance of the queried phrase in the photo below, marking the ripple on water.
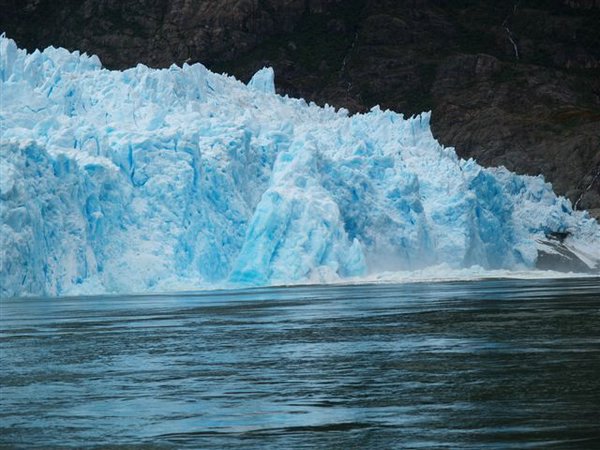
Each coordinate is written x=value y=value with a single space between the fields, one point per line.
x=488 y=364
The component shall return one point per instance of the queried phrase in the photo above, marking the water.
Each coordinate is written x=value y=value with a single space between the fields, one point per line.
x=489 y=364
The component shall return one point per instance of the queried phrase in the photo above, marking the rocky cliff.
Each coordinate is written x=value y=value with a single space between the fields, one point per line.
x=509 y=83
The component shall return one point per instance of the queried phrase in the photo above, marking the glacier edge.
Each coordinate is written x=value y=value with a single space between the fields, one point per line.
x=151 y=179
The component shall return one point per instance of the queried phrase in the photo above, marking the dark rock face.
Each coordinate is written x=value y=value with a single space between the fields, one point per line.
x=508 y=83
x=555 y=255
x=153 y=32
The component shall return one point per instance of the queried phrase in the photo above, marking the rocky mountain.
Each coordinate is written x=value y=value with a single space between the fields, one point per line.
x=508 y=83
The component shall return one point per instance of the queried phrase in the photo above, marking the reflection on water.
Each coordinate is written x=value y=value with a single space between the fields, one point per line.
x=496 y=364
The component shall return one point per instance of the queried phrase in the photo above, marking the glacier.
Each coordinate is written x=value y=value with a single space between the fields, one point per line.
x=152 y=180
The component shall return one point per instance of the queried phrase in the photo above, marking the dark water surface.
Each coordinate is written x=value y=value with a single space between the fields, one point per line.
x=488 y=364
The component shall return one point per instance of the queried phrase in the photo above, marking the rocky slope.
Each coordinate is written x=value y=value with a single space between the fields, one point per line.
x=511 y=83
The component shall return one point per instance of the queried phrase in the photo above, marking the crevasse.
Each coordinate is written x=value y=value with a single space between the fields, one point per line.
x=181 y=178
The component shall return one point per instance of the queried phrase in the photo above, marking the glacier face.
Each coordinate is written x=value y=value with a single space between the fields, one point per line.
x=181 y=178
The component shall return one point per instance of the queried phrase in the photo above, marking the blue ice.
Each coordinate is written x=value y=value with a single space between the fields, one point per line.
x=146 y=179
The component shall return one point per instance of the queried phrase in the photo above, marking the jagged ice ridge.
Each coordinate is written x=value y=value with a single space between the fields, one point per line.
x=151 y=179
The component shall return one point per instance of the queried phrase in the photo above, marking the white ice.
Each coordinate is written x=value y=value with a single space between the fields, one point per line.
x=156 y=179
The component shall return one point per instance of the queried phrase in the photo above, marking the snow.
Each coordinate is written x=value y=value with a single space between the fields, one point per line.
x=149 y=179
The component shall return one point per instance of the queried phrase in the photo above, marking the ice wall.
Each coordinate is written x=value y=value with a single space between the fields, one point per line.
x=181 y=178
